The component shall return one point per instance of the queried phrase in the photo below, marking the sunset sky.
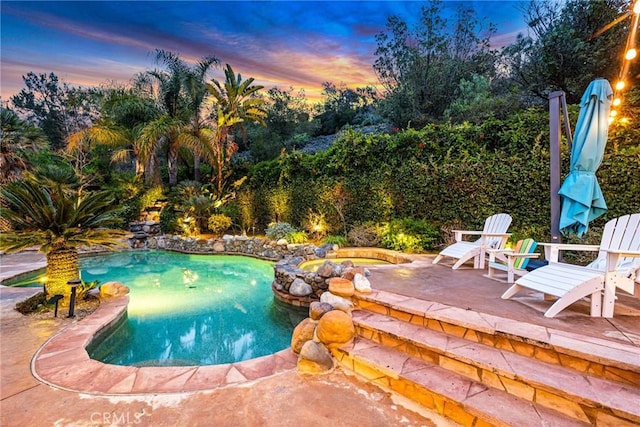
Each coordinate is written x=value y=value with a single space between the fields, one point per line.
x=283 y=43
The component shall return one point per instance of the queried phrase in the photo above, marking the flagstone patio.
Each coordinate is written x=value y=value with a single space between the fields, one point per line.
x=62 y=385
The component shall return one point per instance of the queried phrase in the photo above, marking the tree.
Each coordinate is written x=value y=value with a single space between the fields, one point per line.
x=237 y=103
x=288 y=124
x=182 y=90
x=420 y=70
x=563 y=51
x=340 y=106
x=476 y=102
x=164 y=131
x=55 y=107
x=124 y=115
x=194 y=81
x=59 y=219
x=17 y=139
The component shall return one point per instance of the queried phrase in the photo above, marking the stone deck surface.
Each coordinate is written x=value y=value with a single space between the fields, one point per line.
x=47 y=378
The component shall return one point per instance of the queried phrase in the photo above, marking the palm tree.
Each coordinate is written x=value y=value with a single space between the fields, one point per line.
x=58 y=219
x=164 y=130
x=17 y=140
x=237 y=103
x=195 y=134
x=182 y=90
x=238 y=98
x=124 y=116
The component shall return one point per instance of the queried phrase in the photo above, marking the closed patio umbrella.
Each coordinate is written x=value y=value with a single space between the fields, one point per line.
x=582 y=199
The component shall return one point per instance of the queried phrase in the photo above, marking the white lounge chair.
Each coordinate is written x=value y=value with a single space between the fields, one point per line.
x=494 y=235
x=616 y=266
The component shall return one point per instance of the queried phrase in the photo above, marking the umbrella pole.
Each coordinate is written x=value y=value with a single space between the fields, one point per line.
x=556 y=101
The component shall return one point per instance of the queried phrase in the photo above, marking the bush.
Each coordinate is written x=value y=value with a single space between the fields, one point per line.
x=130 y=210
x=297 y=237
x=336 y=240
x=151 y=196
x=218 y=224
x=168 y=220
x=447 y=174
x=364 y=235
x=316 y=224
x=33 y=304
x=408 y=235
x=200 y=208
x=279 y=230
x=187 y=226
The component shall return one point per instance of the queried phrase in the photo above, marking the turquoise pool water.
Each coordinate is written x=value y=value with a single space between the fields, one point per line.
x=191 y=309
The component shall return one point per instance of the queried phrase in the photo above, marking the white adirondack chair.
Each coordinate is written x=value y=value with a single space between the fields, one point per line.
x=616 y=266
x=517 y=260
x=494 y=235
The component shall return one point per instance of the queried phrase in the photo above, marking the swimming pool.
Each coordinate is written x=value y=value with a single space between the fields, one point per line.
x=191 y=309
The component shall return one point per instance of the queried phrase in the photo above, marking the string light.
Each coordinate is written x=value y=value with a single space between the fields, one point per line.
x=630 y=54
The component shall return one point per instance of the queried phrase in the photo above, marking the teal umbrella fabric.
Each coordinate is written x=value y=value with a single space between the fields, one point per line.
x=582 y=199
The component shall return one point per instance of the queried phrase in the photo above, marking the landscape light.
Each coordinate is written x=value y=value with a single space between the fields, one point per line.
x=613 y=113
x=631 y=53
x=616 y=102
x=636 y=7
x=620 y=85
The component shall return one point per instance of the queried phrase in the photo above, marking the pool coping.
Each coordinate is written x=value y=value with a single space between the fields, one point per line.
x=63 y=362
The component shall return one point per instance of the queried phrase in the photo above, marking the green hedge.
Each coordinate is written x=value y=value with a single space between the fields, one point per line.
x=448 y=175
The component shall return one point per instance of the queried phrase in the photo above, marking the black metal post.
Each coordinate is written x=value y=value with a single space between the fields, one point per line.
x=72 y=302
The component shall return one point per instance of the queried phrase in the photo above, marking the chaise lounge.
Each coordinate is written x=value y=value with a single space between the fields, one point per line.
x=494 y=235
x=616 y=267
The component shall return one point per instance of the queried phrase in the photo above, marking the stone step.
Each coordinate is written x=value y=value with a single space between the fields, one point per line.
x=579 y=395
x=611 y=360
x=465 y=401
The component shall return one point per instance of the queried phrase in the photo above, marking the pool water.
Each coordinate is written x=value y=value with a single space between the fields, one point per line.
x=191 y=309
x=313 y=265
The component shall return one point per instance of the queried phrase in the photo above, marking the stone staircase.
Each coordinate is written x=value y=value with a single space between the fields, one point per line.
x=479 y=370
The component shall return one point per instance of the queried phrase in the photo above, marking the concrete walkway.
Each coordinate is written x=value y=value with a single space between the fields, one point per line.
x=284 y=399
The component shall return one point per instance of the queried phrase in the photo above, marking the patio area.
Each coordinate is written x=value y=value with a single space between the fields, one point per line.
x=284 y=397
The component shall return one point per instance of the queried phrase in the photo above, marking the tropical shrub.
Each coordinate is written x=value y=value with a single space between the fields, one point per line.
x=219 y=223
x=200 y=208
x=59 y=219
x=83 y=289
x=187 y=226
